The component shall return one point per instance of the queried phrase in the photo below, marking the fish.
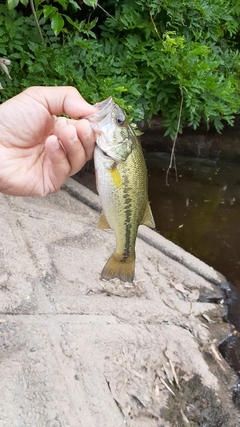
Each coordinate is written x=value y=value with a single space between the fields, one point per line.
x=122 y=185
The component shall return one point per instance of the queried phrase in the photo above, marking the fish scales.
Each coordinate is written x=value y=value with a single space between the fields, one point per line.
x=119 y=202
x=121 y=177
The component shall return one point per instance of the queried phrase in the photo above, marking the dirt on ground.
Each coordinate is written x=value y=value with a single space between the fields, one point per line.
x=76 y=351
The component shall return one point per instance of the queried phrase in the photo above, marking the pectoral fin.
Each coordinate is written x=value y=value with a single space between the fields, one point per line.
x=103 y=222
x=148 y=218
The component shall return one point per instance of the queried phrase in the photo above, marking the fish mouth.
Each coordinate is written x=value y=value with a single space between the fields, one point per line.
x=101 y=117
x=104 y=105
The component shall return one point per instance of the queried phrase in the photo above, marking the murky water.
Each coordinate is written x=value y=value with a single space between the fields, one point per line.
x=201 y=211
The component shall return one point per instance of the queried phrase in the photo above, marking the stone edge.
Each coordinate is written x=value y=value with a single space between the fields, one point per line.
x=151 y=237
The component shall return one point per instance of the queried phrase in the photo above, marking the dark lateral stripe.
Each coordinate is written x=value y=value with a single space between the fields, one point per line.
x=127 y=248
x=128 y=215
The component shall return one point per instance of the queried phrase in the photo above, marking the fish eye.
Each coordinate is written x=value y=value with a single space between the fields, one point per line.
x=120 y=120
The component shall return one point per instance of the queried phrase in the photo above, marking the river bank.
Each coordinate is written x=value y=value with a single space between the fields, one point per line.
x=201 y=143
x=75 y=350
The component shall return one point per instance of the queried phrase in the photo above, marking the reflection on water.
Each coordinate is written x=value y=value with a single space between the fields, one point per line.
x=200 y=212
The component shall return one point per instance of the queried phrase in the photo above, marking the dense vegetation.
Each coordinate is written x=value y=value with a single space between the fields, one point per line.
x=169 y=56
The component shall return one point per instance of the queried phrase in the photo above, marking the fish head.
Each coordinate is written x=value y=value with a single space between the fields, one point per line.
x=114 y=136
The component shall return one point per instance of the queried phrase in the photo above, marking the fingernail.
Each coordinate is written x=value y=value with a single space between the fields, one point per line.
x=87 y=134
x=56 y=144
x=74 y=136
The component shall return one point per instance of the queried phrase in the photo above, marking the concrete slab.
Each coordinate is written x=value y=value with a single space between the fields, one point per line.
x=77 y=351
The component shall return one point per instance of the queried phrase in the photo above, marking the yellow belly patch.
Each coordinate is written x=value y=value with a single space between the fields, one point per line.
x=116 y=177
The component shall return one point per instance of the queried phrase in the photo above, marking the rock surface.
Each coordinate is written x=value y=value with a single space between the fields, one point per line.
x=76 y=351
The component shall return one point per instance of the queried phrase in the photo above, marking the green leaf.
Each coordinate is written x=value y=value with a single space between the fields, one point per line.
x=57 y=23
x=75 y=5
x=91 y=3
x=74 y=24
x=49 y=10
x=12 y=4
x=24 y=2
x=63 y=3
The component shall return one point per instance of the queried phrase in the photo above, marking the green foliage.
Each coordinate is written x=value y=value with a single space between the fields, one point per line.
x=53 y=13
x=150 y=56
x=181 y=47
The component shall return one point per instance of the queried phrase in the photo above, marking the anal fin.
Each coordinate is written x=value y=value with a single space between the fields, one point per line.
x=148 y=217
x=103 y=222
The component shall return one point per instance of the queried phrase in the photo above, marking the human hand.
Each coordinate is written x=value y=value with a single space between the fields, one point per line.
x=38 y=150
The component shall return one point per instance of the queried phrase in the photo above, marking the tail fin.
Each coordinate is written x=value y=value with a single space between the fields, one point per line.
x=119 y=267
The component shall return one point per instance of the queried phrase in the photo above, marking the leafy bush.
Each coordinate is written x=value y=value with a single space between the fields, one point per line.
x=151 y=57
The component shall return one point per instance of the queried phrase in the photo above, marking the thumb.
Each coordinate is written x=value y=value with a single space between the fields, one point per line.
x=61 y=100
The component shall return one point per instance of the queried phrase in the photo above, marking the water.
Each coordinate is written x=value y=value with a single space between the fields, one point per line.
x=200 y=212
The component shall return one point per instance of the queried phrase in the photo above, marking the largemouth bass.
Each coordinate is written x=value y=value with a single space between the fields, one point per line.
x=121 y=178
